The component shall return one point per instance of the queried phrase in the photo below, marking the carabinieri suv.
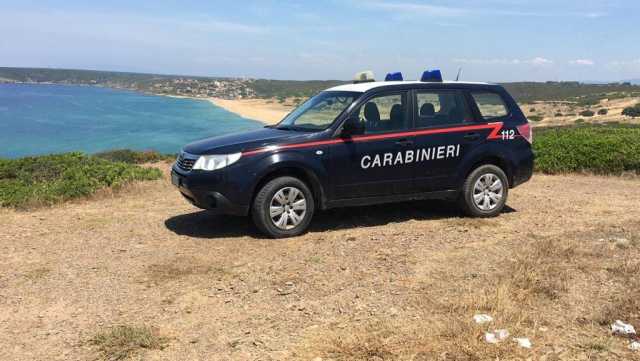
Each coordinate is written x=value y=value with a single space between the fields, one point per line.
x=366 y=143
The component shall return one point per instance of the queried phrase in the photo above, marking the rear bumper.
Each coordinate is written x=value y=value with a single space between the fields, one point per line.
x=211 y=197
x=523 y=170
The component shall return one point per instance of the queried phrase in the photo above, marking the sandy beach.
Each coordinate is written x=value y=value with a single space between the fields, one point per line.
x=263 y=110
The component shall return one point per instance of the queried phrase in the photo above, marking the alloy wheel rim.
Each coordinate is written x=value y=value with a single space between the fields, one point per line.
x=288 y=208
x=488 y=192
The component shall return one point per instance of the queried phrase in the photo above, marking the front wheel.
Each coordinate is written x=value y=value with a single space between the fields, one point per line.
x=484 y=192
x=283 y=207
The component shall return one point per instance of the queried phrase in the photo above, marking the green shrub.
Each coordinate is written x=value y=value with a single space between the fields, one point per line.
x=535 y=118
x=558 y=114
x=532 y=110
x=579 y=121
x=134 y=157
x=603 y=111
x=587 y=113
x=50 y=179
x=596 y=149
x=633 y=111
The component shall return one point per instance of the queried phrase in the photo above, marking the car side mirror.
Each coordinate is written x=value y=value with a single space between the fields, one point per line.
x=352 y=126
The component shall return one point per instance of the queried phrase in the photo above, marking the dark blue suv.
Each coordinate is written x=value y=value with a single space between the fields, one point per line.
x=365 y=143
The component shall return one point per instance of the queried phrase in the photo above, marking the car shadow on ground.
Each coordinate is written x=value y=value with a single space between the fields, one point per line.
x=204 y=224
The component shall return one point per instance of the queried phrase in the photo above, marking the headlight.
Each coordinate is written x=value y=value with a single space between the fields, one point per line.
x=216 y=161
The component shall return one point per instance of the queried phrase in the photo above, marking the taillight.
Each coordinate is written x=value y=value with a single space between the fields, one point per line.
x=526 y=132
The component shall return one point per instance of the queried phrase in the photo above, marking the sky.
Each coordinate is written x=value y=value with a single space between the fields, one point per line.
x=495 y=40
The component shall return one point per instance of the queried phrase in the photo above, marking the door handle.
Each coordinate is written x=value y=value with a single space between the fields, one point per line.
x=472 y=136
x=404 y=142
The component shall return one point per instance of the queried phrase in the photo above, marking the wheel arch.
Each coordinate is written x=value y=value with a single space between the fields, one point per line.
x=499 y=161
x=306 y=175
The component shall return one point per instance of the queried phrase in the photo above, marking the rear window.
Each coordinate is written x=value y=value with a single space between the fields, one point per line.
x=490 y=105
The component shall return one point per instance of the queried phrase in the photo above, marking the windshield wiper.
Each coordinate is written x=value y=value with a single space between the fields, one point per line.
x=286 y=127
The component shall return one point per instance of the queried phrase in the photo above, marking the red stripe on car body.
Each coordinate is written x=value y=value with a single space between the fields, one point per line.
x=495 y=129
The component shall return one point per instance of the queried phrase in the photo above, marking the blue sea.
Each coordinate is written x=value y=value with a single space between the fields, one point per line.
x=41 y=119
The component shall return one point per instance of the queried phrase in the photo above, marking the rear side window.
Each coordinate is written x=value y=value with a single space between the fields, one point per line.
x=490 y=105
x=436 y=108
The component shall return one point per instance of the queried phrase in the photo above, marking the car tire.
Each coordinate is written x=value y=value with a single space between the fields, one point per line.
x=484 y=192
x=277 y=207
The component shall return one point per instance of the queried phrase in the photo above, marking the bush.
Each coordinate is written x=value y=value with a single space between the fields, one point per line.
x=558 y=114
x=579 y=121
x=50 y=179
x=134 y=157
x=596 y=149
x=603 y=111
x=535 y=118
x=532 y=110
x=633 y=111
x=587 y=113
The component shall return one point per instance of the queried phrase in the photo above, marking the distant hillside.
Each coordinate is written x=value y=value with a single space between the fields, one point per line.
x=526 y=92
x=232 y=88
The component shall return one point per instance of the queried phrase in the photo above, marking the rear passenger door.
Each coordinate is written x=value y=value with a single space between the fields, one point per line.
x=442 y=141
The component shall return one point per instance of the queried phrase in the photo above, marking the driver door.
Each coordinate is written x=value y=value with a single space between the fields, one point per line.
x=374 y=163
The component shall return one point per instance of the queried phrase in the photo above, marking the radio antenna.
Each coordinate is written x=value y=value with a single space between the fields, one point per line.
x=459 y=72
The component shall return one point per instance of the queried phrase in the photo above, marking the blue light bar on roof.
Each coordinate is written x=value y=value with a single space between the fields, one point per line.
x=397 y=76
x=433 y=76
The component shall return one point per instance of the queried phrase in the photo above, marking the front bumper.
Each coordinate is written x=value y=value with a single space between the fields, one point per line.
x=207 y=191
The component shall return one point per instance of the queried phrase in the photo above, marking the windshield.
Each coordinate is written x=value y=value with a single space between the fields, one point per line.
x=319 y=112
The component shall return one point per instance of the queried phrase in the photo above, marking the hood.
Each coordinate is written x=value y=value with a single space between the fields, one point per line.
x=238 y=142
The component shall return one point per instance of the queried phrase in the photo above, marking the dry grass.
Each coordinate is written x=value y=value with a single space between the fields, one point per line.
x=402 y=283
x=521 y=296
x=37 y=274
x=162 y=273
x=121 y=342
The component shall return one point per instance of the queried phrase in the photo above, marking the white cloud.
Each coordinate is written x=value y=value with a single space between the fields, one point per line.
x=411 y=8
x=424 y=9
x=583 y=62
x=537 y=61
x=625 y=62
x=540 y=61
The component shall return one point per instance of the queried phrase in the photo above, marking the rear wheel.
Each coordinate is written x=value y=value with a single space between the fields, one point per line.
x=283 y=207
x=484 y=192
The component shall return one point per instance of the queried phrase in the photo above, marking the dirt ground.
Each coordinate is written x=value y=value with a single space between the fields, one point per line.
x=567 y=113
x=399 y=281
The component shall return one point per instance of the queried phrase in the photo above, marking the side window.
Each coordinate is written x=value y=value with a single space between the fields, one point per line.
x=384 y=113
x=490 y=105
x=436 y=108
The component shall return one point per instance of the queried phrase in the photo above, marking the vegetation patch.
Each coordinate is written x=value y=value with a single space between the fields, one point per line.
x=633 y=111
x=121 y=342
x=593 y=149
x=587 y=113
x=535 y=118
x=50 y=179
x=134 y=157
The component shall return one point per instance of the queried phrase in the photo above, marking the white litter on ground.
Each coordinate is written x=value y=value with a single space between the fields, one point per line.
x=523 y=342
x=635 y=346
x=496 y=336
x=482 y=318
x=621 y=328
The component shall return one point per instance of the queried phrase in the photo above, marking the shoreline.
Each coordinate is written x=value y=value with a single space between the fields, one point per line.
x=264 y=111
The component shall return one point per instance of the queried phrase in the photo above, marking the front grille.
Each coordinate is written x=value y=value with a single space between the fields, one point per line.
x=185 y=161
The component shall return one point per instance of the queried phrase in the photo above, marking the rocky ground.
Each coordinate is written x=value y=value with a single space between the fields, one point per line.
x=398 y=281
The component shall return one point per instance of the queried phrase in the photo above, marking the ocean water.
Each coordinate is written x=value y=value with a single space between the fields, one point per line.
x=41 y=119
